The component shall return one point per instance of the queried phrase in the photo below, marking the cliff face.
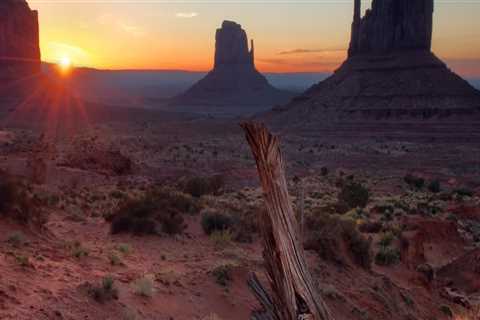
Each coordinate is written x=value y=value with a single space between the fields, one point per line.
x=234 y=81
x=392 y=25
x=390 y=75
x=231 y=46
x=19 y=40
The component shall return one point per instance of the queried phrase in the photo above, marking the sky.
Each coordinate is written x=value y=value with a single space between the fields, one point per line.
x=290 y=36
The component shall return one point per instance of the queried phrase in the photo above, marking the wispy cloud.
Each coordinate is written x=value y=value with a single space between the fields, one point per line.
x=186 y=15
x=122 y=24
x=304 y=51
x=315 y=64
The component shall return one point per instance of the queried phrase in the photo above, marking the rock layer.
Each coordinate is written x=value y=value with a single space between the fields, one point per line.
x=231 y=46
x=392 y=25
x=390 y=74
x=234 y=80
x=19 y=41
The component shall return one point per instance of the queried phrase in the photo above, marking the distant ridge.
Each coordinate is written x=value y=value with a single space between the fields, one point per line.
x=390 y=74
x=234 y=80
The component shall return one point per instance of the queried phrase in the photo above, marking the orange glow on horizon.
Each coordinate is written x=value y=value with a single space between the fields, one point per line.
x=65 y=64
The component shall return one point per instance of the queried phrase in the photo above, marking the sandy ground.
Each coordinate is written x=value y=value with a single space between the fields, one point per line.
x=165 y=147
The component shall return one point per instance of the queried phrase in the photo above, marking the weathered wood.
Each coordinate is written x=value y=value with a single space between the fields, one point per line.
x=294 y=295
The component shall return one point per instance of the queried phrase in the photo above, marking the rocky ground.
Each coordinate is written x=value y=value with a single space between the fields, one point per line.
x=393 y=220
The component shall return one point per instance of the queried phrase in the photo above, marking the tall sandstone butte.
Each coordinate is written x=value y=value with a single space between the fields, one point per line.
x=19 y=41
x=234 y=80
x=390 y=74
x=392 y=25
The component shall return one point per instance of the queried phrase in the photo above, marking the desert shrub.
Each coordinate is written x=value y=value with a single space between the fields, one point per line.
x=324 y=171
x=23 y=261
x=17 y=239
x=78 y=250
x=245 y=224
x=446 y=311
x=144 y=286
x=386 y=239
x=329 y=233
x=104 y=292
x=463 y=192
x=213 y=221
x=414 y=181
x=387 y=256
x=199 y=186
x=370 y=227
x=17 y=202
x=124 y=248
x=221 y=239
x=115 y=260
x=353 y=195
x=8 y=193
x=158 y=211
x=222 y=274
x=434 y=186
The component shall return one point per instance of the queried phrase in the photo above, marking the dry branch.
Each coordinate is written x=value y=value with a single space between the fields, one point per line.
x=294 y=294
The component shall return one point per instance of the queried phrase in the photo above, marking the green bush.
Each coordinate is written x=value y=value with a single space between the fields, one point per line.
x=223 y=274
x=199 y=186
x=104 y=292
x=353 y=195
x=414 y=181
x=387 y=256
x=327 y=235
x=17 y=202
x=144 y=286
x=434 y=186
x=446 y=311
x=158 y=211
x=213 y=221
x=463 y=192
x=386 y=239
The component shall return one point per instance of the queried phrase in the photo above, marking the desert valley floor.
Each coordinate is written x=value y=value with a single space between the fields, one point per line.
x=92 y=168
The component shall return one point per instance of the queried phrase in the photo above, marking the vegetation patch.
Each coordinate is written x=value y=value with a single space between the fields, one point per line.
x=144 y=286
x=216 y=221
x=158 y=211
x=387 y=256
x=223 y=275
x=200 y=186
x=18 y=202
x=105 y=291
x=353 y=195
x=414 y=182
x=329 y=235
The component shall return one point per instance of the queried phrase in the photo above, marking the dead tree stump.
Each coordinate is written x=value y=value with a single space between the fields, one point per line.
x=293 y=293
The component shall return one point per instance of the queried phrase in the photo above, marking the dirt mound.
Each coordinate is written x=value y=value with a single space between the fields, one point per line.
x=431 y=241
x=463 y=273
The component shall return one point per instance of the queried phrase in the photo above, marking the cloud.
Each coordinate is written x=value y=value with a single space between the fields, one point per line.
x=304 y=51
x=315 y=64
x=122 y=24
x=186 y=15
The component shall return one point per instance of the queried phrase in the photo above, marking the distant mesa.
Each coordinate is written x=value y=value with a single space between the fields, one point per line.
x=390 y=74
x=234 y=80
x=19 y=42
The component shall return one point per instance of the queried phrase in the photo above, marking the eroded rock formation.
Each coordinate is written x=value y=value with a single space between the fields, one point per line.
x=231 y=46
x=392 y=25
x=390 y=74
x=19 y=40
x=234 y=80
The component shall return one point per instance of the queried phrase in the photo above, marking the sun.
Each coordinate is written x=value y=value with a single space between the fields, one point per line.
x=65 y=64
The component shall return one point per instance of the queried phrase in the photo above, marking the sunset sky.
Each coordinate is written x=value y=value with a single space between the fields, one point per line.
x=295 y=35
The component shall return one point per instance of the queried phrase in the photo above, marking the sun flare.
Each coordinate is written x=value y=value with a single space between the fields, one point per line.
x=65 y=63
